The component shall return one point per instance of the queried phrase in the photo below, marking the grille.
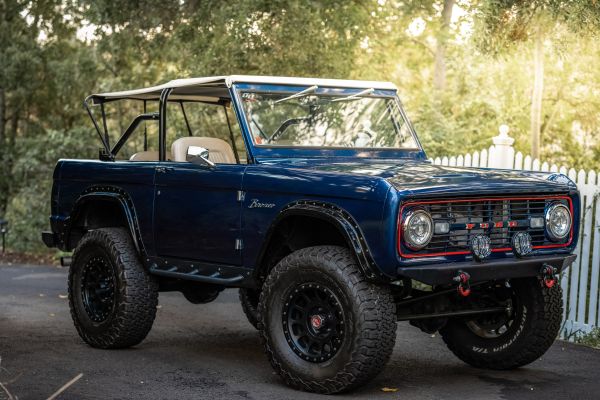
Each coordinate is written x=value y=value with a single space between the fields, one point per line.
x=467 y=218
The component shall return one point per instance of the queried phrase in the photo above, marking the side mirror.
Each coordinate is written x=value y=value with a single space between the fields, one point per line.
x=199 y=155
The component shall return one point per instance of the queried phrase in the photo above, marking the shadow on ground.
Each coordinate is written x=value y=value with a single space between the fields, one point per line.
x=211 y=352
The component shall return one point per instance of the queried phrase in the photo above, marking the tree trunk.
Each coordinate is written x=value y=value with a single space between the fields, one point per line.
x=8 y=135
x=537 y=93
x=439 y=72
x=3 y=150
x=2 y=117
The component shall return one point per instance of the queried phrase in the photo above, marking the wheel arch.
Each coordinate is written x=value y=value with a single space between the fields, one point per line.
x=102 y=207
x=326 y=220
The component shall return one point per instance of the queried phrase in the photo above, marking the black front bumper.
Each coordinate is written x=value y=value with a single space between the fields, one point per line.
x=442 y=274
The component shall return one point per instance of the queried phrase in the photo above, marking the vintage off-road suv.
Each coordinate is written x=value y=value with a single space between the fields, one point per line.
x=316 y=200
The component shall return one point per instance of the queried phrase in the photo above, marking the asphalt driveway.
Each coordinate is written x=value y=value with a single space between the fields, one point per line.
x=211 y=352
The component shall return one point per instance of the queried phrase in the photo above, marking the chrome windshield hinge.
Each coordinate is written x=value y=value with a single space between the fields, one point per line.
x=239 y=244
x=241 y=195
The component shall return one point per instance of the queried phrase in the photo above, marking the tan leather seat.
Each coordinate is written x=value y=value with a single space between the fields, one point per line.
x=149 y=155
x=220 y=151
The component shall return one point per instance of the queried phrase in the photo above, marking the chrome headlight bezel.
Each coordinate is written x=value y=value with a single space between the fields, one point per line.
x=408 y=238
x=550 y=212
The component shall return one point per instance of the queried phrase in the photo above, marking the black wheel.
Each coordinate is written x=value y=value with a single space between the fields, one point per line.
x=111 y=296
x=513 y=339
x=249 y=299
x=324 y=327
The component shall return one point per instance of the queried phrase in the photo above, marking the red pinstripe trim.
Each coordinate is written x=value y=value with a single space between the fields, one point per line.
x=503 y=249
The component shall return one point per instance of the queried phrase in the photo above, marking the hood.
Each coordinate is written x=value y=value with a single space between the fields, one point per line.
x=423 y=179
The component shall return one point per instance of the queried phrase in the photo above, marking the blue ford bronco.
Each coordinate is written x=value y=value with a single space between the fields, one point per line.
x=315 y=198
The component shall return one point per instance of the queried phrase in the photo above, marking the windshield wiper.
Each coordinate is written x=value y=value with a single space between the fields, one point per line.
x=354 y=96
x=305 y=92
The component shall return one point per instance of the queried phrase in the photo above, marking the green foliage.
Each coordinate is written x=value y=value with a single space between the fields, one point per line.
x=46 y=71
x=591 y=339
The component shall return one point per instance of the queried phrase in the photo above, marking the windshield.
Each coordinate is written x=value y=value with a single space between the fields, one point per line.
x=309 y=119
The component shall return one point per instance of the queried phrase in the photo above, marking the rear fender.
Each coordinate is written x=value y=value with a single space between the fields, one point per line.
x=111 y=194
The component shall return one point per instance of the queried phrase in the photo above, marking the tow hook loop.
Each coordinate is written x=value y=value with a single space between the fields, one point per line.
x=464 y=287
x=549 y=276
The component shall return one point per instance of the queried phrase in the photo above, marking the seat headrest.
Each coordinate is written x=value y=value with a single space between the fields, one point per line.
x=220 y=151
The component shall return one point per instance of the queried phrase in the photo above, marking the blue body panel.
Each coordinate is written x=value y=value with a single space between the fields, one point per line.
x=197 y=216
x=197 y=213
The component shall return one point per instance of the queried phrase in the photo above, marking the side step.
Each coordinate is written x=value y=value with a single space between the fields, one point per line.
x=202 y=272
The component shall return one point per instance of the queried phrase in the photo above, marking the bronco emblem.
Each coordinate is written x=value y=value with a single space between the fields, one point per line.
x=254 y=203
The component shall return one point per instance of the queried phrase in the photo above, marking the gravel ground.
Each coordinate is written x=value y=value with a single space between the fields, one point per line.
x=211 y=352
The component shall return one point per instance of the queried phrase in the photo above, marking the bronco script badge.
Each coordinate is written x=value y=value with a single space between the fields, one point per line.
x=255 y=203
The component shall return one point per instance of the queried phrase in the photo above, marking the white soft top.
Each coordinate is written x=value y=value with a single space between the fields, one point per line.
x=188 y=89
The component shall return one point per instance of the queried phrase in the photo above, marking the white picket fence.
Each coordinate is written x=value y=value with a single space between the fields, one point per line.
x=580 y=282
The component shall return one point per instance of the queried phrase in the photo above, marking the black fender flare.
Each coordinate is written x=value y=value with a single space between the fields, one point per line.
x=339 y=218
x=110 y=193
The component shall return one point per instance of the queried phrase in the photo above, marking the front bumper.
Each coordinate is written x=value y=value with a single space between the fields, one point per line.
x=443 y=273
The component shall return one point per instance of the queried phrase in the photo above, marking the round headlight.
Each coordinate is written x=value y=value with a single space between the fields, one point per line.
x=558 y=222
x=417 y=229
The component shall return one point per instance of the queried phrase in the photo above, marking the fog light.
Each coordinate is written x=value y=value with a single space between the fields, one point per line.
x=536 y=222
x=441 y=228
x=481 y=247
x=521 y=243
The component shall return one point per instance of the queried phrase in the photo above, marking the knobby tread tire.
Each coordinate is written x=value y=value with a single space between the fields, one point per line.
x=539 y=331
x=137 y=292
x=372 y=308
x=249 y=300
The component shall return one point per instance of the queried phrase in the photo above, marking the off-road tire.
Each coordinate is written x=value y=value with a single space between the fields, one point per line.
x=537 y=326
x=249 y=299
x=370 y=321
x=136 y=292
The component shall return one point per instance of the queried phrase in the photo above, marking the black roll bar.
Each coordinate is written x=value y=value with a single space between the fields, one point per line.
x=102 y=138
x=145 y=131
x=162 y=123
x=104 y=124
x=134 y=124
x=186 y=119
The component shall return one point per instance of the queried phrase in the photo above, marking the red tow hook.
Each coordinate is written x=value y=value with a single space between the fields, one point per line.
x=464 y=288
x=549 y=276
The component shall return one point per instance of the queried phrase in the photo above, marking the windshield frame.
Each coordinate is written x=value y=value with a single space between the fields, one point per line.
x=266 y=151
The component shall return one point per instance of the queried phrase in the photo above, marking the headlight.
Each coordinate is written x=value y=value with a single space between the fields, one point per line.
x=558 y=221
x=417 y=229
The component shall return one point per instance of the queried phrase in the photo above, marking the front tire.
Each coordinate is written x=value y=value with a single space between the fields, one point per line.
x=518 y=341
x=111 y=296
x=324 y=327
x=249 y=299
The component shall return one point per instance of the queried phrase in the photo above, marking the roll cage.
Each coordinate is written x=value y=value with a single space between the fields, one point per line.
x=223 y=91
x=108 y=153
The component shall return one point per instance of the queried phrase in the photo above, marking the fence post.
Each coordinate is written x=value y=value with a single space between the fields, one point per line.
x=503 y=155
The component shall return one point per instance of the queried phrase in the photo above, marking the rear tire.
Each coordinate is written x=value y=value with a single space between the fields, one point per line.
x=325 y=328
x=535 y=326
x=112 y=297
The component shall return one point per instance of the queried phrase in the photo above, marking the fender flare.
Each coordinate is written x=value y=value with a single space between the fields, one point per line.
x=113 y=194
x=338 y=217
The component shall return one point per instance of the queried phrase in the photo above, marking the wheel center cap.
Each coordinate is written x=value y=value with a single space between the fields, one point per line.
x=317 y=321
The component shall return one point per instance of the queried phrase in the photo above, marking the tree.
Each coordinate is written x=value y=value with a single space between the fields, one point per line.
x=439 y=74
x=505 y=22
x=46 y=70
